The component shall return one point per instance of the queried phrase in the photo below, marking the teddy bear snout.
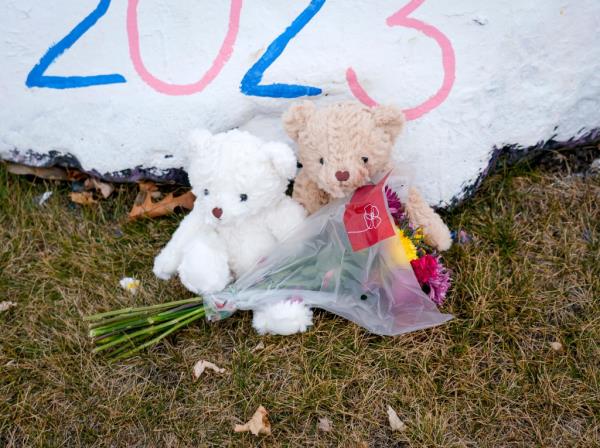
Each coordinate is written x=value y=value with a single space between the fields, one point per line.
x=217 y=212
x=342 y=175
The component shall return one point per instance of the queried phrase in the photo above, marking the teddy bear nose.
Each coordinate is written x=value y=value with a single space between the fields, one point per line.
x=217 y=212
x=342 y=175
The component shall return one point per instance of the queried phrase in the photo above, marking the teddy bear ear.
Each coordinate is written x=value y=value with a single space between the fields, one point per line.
x=296 y=117
x=197 y=147
x=282 y=157
x=390 y=119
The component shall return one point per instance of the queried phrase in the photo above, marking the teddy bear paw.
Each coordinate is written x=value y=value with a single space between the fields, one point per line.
x=284 y=318
x=165 y=265
x=438 y=236
x=204 y=275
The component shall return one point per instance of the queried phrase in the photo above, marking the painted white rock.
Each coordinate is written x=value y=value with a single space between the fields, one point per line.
x=117 y=85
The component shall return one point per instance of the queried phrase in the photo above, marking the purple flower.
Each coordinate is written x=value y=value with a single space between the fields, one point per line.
x=433 y=277
x=439 y=283
x=394 y=205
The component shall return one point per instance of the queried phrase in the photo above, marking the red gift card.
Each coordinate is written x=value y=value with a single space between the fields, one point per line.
x=366 y=218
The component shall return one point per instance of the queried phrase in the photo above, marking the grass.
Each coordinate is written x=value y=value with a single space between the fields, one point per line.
x=488 y=378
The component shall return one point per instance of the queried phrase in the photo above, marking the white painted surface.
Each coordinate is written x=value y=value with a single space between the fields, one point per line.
x=525 y=71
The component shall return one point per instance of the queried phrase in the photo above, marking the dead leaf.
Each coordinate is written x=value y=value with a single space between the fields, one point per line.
x=260 y=346
x=83 y=197
x=259 y=424
x=75 y=175
x=145 y=206
x=325 y=424
x=147 y=186
x=202 y=365
x=52 y=173
x=395 y=423
x=102 y=187
x=6 y=305
x=556 y=346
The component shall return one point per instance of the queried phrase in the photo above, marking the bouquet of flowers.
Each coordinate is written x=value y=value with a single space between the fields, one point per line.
x=358 y=257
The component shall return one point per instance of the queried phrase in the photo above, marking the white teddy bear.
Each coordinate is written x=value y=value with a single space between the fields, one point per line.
x=240 y=213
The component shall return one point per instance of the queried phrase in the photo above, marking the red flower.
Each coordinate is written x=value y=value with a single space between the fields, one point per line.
x=432 y=276
x=424 y=268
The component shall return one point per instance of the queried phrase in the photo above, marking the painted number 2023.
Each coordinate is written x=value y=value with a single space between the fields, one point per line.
x=251 y=82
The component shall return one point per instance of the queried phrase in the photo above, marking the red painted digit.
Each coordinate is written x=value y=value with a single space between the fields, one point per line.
x=223 y=56
x=400 y=18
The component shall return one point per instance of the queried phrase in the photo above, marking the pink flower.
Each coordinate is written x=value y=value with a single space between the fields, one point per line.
x=433 y=277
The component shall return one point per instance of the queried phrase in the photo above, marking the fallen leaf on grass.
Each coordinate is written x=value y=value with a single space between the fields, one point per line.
x=395 y=423
x=145 y=206
x=202 y=365
x=83 y=198
x=6 y=305
x=259 y=424
x=102 y=187
x=130 y=285
x=556 y=346
x=325 y=425
x=260 y=346
x=51 y=173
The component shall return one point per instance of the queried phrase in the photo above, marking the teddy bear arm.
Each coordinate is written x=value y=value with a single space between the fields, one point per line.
x=284 y=218
x=308 y=194
x=169 y=258
x=204 y=266
x=421 y=214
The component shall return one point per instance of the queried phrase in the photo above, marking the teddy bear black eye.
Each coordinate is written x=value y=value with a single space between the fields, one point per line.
x=321 y=161
x=243 y=197
x=365 y=159
x=206 y=192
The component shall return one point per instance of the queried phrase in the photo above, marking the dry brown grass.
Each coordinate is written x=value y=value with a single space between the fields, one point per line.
x=488 y=378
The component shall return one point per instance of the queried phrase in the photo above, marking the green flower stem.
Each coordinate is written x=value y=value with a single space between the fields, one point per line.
x=128 y=324
x=160 y=336
x=140 y=310
x=126 y=345
x=116 y=319
x=105 y=338
x=149 y=330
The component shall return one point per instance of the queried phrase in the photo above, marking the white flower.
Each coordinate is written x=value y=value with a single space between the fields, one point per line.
x=130 y=284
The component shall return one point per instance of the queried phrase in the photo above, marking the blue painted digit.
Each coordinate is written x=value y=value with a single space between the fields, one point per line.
x=250 y=83
x=36 y=77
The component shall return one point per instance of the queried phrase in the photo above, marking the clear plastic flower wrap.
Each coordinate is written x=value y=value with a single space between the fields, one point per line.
x=348 y=259
x=359 y=258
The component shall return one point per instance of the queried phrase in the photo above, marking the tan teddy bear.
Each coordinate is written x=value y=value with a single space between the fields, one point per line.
x=342 y=147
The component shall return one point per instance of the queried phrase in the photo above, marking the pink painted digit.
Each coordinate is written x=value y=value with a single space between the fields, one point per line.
x=223 y=56
x=400 y=18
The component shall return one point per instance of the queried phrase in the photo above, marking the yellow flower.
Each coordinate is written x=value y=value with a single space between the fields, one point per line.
x=401 y=250
x=409 y=248
x=419 y=234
